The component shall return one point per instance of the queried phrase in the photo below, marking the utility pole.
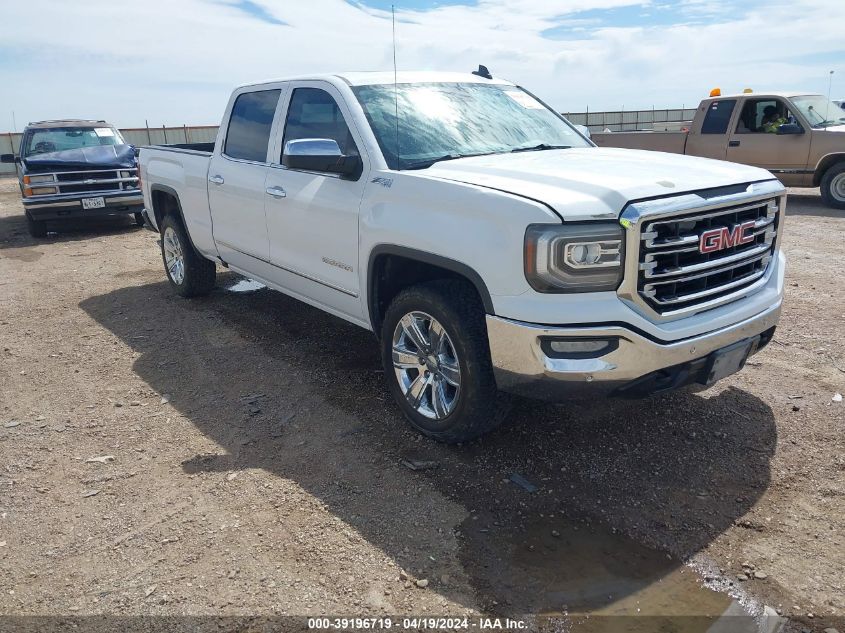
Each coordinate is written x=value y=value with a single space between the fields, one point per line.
x=14 y=123
x=829 y=86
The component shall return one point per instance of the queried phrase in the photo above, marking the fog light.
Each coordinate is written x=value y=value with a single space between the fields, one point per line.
x=578 y=347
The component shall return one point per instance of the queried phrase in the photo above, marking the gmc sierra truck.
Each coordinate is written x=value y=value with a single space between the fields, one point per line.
x=490 y=246
x=73 y=169
x=799 y=137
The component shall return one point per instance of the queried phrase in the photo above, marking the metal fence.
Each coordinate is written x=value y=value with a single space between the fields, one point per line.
x=632 y=120
x=616 y=121
x=10 y=141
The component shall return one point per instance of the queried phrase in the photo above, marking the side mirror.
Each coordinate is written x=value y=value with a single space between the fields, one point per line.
x=321 y=154
x=790 y=128
x=9 y=158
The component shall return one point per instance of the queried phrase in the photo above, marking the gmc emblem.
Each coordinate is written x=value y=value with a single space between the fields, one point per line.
x=722 y=238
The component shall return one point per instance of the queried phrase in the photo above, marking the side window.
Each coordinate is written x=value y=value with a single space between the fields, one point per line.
x=249 y=126
x=718 y=117
x=313 y=113
x=762 y=116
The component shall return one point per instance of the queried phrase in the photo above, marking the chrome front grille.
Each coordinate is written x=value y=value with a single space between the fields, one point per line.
x=97 y=181
x=101 y=180
x=674 y=272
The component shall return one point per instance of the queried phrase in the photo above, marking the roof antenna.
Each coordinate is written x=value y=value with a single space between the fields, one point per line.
x=396 y=90
x=482 y=72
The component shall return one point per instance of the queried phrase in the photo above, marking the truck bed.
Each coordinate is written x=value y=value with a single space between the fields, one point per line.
x=200 y=148
x=182 y=170
x=671 y=142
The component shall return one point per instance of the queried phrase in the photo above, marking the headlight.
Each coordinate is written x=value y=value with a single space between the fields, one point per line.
x=42 y=178
x=574 y=257
x=125 y=174
x=43 y=191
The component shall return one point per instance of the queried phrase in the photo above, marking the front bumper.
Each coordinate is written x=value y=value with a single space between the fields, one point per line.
x=69 y=206
x=636 y=365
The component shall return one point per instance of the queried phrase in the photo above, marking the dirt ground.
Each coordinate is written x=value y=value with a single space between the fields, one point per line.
x=252 y=462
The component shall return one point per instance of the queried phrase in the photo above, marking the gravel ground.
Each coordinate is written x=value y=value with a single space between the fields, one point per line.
x=239 y=455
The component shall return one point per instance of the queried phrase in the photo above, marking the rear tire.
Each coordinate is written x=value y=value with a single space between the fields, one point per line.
x=37 y=228
x=190 y=274
x=444 y=385
x=833 y=186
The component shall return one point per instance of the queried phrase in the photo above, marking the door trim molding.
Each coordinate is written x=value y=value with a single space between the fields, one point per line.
x=291 y=270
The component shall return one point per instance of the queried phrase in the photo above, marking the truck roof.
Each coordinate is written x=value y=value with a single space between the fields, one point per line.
x=67 y=123
x=763 y=95
x=368 y=78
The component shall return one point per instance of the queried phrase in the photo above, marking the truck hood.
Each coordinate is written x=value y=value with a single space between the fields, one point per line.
x=89 y=158
x=591 y=182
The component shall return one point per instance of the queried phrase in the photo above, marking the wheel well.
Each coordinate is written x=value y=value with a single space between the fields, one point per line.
x=165 y=203
x=826 y=163
x=390 y=273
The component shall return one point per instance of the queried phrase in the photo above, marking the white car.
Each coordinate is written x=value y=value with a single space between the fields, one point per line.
x=489 y=245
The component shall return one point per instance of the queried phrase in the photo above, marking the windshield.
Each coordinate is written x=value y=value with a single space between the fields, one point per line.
x=59 y=139
x=439 y=121
x=818 y=111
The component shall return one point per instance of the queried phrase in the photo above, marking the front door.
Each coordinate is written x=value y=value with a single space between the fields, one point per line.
x=236 y=179
x=312 y=217
x=754 y=140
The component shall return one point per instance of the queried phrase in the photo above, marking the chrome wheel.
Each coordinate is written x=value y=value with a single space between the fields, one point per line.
x=426 y=365
x=837 y=187
x=174 y=259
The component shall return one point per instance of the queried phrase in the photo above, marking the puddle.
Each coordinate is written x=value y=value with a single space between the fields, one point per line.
x=595 y=578
x=245 y=285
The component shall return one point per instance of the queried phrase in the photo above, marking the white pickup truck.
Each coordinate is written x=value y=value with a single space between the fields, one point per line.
x=490 y=246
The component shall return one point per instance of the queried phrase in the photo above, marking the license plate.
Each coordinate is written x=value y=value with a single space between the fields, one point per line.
x=731 y=359
x=93 y=203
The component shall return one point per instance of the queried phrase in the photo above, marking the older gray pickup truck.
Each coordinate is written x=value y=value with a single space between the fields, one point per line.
x=71 y=169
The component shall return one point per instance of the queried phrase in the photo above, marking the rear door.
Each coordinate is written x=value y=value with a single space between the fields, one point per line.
x=709 y=138
x=236 y=177
x=313 y=216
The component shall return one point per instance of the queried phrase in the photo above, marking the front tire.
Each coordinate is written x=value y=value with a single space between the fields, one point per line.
x=833 y=186
x=139 y=219
x=190 y=274
x=437 y=361
x=36 y=228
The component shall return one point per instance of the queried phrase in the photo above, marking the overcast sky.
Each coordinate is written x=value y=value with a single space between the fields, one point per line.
x=175 y=61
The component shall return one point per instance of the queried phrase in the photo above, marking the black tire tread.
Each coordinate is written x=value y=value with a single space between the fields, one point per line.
x=826 y=182
x=489 y=406
x=200 y=273
x=36 y=228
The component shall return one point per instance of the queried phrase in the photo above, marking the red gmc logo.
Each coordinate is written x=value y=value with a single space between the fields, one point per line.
x=719 y=239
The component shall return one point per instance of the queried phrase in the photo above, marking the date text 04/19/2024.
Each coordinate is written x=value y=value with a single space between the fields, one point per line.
x=416 y=624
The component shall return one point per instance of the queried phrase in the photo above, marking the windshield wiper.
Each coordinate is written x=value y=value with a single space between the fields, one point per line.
x=539 y=148
x=428 y=162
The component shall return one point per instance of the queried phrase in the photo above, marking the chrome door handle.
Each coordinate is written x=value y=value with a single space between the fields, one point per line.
x=216 y=180
x=276 y=192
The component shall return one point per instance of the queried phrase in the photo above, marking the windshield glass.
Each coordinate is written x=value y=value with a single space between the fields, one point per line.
x=63 y=138
x=818 y=111
x=438 y=121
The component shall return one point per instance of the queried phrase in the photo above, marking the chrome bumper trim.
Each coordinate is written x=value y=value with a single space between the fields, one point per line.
x=520 y=365
x=76 y=201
